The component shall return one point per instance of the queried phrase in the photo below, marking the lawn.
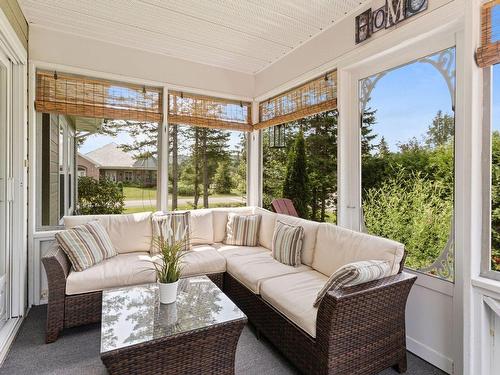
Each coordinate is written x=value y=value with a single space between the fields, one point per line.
x=139 y=193
x=145 y=208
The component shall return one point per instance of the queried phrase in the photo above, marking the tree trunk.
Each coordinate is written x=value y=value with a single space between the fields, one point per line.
x=175 y=166
x=323 y=203
x=196 y=168
x=205 y=168
x=314 y=204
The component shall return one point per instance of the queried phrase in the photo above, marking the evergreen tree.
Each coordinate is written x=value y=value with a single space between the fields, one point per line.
x=321 y=148
x=441 y=131
x=223 y=182
x=383 y=147
x=296 y=184
x=368 y=119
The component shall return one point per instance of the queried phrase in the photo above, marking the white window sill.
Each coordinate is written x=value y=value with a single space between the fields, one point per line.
x=486 y=284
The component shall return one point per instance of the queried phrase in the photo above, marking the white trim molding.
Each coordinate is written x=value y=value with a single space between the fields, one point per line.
x=17 y=125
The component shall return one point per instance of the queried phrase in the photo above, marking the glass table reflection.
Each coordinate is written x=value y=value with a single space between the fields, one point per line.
x=134 y=315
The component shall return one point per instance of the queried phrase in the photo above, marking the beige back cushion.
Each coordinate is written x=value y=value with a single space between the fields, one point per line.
x=309 y=240
x=128 y=233
x=336 y=247
x=201 y=226
x=220 y=220
x=267 y=224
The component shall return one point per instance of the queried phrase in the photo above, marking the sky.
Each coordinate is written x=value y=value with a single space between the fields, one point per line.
x=496 y=97
x=406 y=100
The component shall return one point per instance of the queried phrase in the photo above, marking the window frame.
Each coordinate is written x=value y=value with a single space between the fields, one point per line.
x=66 y=169
x=486 y=163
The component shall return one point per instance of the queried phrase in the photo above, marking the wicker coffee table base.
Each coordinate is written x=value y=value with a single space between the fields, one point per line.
x=209 y=350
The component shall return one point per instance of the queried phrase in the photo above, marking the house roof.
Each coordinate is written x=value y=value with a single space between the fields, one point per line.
x=242 y=35
x=111 y=156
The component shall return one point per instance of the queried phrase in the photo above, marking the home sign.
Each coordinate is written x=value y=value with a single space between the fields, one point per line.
x=393 y=12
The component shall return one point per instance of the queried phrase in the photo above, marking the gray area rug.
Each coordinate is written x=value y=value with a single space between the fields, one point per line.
x=77 y=352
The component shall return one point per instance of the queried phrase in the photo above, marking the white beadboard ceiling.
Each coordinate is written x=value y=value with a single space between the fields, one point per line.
x=241 y=35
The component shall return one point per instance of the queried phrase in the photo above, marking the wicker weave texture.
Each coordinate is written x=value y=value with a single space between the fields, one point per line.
x=208 y=351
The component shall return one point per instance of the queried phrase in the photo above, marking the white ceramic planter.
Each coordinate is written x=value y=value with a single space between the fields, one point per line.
x=168 y=292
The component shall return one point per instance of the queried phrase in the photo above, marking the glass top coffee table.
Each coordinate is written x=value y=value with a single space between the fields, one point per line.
x=197 y=334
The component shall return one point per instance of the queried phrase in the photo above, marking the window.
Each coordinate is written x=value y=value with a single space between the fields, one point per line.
x=97 y=146
x=314 y=188
x=207 y=167
x=122 y=156
x=208 y=141
x=56 y=159
x=407 y=153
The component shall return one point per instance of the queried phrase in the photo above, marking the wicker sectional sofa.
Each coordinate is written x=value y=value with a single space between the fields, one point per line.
x=355 y=330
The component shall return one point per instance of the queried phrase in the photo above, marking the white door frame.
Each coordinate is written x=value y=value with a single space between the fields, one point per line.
x=12 y=47
x=349 y=214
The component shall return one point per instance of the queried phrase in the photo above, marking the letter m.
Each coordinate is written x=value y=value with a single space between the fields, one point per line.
x=395 y=12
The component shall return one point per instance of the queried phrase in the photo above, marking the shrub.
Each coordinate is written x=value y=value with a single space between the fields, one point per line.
x=410 y=209
x=99 y=197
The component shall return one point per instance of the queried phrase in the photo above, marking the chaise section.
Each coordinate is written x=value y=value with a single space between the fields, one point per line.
x=252 y=270
x=293 y=295
x=121 y=270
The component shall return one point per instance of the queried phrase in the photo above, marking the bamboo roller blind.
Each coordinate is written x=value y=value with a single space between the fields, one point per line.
x=87 y=97
x=489 y=52
x=208 y=112
x=312 y=97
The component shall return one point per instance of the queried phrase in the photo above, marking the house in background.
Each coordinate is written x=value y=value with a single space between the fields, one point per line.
x=86 y=167
x=111 y=162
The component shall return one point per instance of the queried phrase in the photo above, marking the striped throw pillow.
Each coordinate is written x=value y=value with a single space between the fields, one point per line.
x=170 y=227
x=242 y=230
x=287 y=243
x=354 y=274
x=86 y=245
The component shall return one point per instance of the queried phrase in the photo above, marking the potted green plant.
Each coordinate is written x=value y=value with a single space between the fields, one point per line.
x=168 y=267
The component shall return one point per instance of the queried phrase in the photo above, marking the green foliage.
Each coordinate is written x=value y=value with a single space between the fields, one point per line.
x=223 y=181
x=408 y=208
x=169 y=267
x=441 y=131
x=495 y=202
x=99 y=197
x=296 y=184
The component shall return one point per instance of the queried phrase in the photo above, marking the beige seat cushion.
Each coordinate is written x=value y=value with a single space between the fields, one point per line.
x=293 y=295
x=338 y=246
x=200 y=260
x=252 y=270
x=121 y=270
x=203 y=260
x=128 y=232
x=309 y=239
x=234 y=250
x=267 y=223
x=201 y=226
x=220 y=220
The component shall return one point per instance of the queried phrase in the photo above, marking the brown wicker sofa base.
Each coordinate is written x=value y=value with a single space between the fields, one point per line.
x=360 y=330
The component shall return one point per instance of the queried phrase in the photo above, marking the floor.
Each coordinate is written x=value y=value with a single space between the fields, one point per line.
x=77 y=352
